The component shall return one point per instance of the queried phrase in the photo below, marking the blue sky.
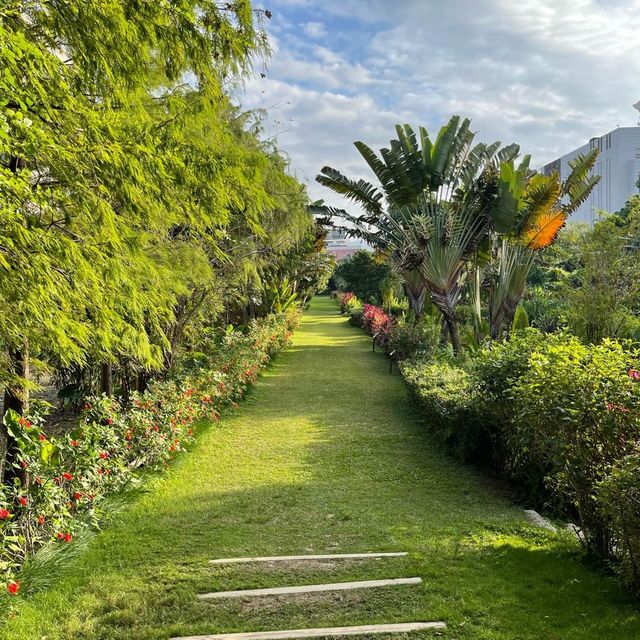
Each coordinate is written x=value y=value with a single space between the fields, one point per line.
x=547 y=74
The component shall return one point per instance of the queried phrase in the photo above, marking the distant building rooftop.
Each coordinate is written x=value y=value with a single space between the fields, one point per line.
x=618 y=164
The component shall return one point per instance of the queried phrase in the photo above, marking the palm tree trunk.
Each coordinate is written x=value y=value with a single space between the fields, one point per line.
x=454 y=334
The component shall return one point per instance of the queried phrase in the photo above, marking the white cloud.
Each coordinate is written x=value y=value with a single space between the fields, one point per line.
x=315 y=30
x=548 y=74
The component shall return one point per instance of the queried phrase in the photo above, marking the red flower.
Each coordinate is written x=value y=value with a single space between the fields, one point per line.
x=67 y=476
x=74 y=443
x=634 y=374
x=41 y=520
x=42 y=437
x=60 y=535
x=68 y=537
x=77 y=495
x=23 y=501
x=104 y=455
x=13 y=588
x=100 y=472
x=4 y=514
x=109 y=420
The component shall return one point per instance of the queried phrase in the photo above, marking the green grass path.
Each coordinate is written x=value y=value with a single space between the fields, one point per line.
x=324 y=456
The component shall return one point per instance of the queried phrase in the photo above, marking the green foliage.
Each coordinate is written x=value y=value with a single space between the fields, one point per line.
x=558 y=418
x=410 y=340
x=604 y=292
x=520 y=319
x=62 y=482
x=618 y=499
x=364 y=274
x=577 y=411
x=445 y=392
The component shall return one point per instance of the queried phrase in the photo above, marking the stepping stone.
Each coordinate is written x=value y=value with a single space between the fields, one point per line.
x=326 y=556
x=309 y=588
x=404 y=627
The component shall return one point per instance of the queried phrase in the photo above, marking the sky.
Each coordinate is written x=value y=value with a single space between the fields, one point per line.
x=546 y=74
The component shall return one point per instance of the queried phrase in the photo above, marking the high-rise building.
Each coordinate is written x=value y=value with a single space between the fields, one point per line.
x=618 y=164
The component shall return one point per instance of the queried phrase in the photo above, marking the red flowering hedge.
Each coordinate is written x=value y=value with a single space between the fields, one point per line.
x=377 y=323
x=62 y=481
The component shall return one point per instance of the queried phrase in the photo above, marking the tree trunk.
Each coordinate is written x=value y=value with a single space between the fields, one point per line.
x=452 y=326
x=106 y=379
x=142 y=380
x=416 y=302
x=444 y=332
x=17 y=399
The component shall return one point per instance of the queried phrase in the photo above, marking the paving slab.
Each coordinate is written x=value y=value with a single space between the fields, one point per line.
x=324 y=556
x=309 y=588
x=404 y=627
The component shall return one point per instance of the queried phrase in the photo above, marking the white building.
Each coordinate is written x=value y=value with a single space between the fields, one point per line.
x=342 y=246
x=618 y=164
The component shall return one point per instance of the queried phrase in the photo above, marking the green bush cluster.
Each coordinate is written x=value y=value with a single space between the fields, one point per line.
x=558 y=418
x=61 y=482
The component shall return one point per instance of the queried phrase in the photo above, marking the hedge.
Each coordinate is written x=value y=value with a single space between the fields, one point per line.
x=60 y=482
x=559 y=419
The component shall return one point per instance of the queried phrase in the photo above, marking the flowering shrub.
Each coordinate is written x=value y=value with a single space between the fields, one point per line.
x=58 y=479
x=344 y=298
x=376 y=323
x=577 y=412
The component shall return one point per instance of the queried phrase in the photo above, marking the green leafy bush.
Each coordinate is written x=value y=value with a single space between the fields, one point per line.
x=60 y=482
x=618 y=498
x=445 y=391
x=411 y=340
x=577 y=412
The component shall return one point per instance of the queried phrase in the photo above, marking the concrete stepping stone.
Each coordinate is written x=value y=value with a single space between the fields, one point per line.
x=403 y=627
x=325 y=556
x=309 y=588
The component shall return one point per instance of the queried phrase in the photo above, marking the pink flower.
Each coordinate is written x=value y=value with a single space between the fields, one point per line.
x=634 y=374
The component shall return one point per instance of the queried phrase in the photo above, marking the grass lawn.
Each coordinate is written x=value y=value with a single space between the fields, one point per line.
x=325 y=456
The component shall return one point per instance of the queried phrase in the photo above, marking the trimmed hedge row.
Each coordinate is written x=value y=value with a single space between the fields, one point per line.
x=559 y=419
x=60 y=482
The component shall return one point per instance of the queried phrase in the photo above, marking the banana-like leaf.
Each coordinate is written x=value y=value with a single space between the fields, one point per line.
x=542 y=230
x=520 y=319
x=361 y=191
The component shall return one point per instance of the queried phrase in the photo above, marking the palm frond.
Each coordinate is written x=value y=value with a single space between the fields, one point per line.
x=360 y=191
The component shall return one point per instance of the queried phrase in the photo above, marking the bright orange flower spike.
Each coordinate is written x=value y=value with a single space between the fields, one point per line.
x=544 y=230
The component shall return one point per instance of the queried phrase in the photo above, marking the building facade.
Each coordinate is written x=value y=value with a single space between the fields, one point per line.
x=617 y=164
x=342 y=246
